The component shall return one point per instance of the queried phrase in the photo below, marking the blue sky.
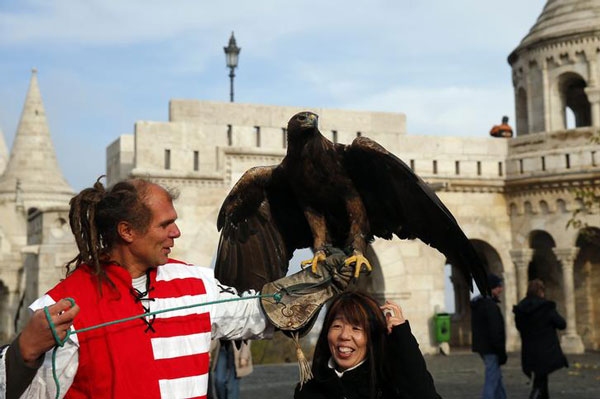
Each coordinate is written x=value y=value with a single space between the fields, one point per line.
x=105 y=64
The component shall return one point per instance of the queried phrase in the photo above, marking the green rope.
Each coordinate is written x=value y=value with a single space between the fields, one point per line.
x=110 y=323
x=59 y=343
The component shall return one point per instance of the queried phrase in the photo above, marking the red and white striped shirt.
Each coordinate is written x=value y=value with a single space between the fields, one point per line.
x=160 y=356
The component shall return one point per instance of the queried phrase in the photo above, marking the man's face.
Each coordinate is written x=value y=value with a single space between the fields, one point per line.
x=497 y=291
x=152 y=248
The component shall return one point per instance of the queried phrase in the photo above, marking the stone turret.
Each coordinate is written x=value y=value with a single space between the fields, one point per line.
x=35 y=241
x=555 y=69
x=32 y=178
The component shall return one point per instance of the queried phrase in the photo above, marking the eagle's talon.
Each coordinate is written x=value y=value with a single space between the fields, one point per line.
x=358 y=260
x=319 y=256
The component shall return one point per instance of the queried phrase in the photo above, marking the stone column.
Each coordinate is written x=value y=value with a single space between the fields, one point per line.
x=593 y=94
x=530 y=90
x=593 y=90
x=522 y=258
x=547 y=97
x=570 y=341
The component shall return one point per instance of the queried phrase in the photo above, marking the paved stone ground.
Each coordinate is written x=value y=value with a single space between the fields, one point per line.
x=458 y=376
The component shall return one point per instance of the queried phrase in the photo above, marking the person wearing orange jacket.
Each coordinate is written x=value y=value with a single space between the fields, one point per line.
x=502 y=130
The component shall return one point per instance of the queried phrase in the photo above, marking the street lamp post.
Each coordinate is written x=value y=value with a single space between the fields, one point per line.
x=231 y=55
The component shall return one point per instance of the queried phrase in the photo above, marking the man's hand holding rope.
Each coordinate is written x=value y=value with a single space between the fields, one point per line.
x=38 y=336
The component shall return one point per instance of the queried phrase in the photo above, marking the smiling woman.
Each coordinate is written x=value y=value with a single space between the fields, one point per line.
x=367 y=351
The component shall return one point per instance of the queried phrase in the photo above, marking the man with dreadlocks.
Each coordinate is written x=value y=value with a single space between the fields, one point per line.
x=124 y=236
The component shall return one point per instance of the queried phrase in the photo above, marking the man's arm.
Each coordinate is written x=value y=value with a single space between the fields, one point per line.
x=23 y=359
x=238 y=319
x=18 y=372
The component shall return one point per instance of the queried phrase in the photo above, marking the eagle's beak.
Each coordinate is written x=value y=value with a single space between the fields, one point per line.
x=310 y=119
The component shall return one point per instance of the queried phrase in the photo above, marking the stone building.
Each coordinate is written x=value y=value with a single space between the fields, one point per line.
x=35 y=240
x=557 y=105
x=512 y=197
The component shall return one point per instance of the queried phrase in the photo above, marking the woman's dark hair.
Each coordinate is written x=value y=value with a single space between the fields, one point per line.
x=536 y=288
x=361 y=309
x=95 y=213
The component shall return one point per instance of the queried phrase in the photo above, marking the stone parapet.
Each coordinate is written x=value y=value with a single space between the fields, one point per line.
x=561 y=156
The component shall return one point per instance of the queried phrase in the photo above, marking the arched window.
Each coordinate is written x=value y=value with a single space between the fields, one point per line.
x=528 y=208
x=522 y=117
x=575 y=100
x=561 y=206
x=544 y=208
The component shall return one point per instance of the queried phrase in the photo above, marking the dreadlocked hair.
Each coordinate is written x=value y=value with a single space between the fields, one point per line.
x=94 y=215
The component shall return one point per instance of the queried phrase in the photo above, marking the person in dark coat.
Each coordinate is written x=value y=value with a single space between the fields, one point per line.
x=489 y=337
x=366 y=351
x=537 y=321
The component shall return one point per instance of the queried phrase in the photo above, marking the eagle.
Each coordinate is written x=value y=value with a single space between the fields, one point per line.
x=326 y=194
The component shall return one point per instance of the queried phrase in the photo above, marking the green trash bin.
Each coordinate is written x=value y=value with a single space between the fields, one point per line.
x=442 y=327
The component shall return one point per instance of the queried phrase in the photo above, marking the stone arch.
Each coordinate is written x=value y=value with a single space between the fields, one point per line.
x=522 y=119
x=544 y=208
x=461 y=319
x=561 y=206
x=586 y=279
x=513 y=209
x=528 y=208
x=545 y=266
x=60 y=227
x=571 y=88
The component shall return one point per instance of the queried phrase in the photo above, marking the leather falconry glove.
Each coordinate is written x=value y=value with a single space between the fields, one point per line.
x=302 y=294
x=299 y=297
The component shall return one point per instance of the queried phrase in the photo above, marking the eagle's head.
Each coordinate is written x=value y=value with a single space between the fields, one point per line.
x=302 y=123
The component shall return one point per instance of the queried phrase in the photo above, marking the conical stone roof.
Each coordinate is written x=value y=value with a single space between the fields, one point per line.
x=562 y=19
x=32 y=164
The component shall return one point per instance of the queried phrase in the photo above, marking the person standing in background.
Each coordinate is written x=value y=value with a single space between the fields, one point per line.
x=489 y=337
x=230 y=364
x=537 y=321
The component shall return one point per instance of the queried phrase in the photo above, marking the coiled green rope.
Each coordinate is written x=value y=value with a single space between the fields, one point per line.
x=60 y=343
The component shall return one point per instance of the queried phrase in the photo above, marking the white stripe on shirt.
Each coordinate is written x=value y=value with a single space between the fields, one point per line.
x=193 y=344
x=186 y=387
x=160 y=304
x=172 y=271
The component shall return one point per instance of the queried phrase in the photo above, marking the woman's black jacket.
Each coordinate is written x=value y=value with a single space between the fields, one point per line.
x=537 y=321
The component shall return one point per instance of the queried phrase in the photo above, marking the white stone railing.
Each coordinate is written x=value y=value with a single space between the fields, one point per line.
x=547 y=154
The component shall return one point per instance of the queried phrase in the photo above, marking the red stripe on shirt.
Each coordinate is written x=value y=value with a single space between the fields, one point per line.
x=179 y=367
x=182 y=287
x=181 y=325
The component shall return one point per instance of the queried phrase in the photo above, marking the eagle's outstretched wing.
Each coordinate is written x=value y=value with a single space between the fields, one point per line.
x=261 y=225
x=399 y=202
